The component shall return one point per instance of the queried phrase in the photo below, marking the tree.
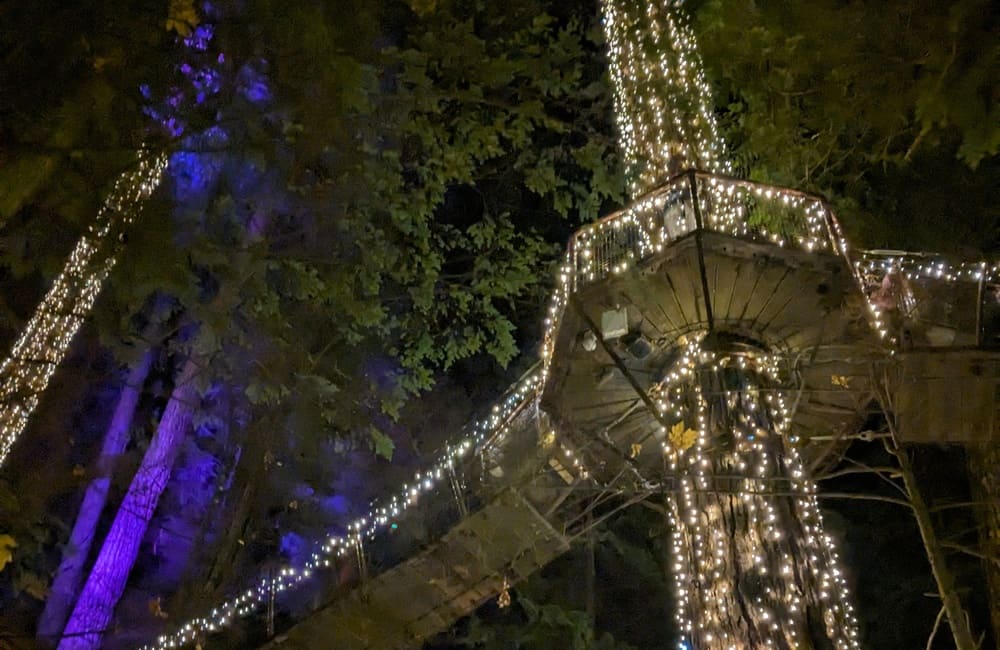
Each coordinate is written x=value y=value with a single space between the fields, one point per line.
x=68 y=577
x=104 y=585
x=891 y=113
x=411 y=169
x=399 y=238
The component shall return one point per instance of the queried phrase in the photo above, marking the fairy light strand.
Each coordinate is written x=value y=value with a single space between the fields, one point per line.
x=666 y=125
x=734 y=558
x=662 y=100
x=27 y=369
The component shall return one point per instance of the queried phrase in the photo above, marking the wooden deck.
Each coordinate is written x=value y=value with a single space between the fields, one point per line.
x=805 y=307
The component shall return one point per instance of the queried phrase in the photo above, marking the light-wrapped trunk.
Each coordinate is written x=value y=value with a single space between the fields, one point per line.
x=752 y=564
x=26 y=371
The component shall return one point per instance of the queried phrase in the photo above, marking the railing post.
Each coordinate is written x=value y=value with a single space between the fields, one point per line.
x=831 y=232
x=362 y=560
x=979 y=307
x=574 y=264
x=693 y=181
x=456 y=488
x=271 y=596
x=693 y=184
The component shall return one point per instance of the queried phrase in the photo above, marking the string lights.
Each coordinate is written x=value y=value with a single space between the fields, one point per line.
x=726 y=205
x=749 y=565
x=485 y=434
x=752 y=567
x=663 y=102
x=917 y=266
x=598 y=251
x=899 y=285
x=26 y=371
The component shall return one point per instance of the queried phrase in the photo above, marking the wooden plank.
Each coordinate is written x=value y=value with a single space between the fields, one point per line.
x=949 y=396
x=725 y=278
x=777 y=288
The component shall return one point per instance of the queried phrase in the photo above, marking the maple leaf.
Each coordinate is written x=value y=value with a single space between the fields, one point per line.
x=840 y=380
x=681 y=437
x=182 y=17
x=6 y=554
x=503 y=600
x=155 y=607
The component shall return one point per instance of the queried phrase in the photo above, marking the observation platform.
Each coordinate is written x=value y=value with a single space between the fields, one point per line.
x=733 y=294
x=741 y=267
x=687 y=262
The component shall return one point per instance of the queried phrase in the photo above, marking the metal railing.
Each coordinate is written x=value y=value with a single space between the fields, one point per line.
x=494 y=452
x=693 y=200
x=926 y=301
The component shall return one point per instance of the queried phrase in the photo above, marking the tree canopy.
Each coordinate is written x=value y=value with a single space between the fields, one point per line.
x=364 y=204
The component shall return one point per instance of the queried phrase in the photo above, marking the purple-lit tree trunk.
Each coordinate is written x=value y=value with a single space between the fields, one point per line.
x=107 y=578
x=66 y=583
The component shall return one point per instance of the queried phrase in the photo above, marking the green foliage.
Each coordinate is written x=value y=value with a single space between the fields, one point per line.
x=382 y=444
x=24 y=543
x=402 y=176
x=885 y=108
x=410 y=195
x=70 y=112
x=874 y=84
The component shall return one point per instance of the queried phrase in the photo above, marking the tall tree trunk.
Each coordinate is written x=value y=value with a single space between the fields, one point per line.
x=753 y=566
x=950 y=600
x=107 y=578
x=984 y=476
x=67 y=580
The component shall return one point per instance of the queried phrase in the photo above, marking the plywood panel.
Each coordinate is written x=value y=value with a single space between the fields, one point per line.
x=949 y=397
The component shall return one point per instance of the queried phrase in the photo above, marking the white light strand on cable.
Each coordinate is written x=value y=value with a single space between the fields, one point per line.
x=26 y=371
x=380 y=517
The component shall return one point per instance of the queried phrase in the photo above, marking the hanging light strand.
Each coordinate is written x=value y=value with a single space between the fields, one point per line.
x=663 y=102
x=433 y=482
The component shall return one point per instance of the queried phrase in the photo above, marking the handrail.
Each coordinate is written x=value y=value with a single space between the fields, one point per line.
x=691 y=201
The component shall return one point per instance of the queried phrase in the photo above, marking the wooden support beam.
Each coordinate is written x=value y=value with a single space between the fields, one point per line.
x=699 y=244
x=943 y=577
x=655 y=412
